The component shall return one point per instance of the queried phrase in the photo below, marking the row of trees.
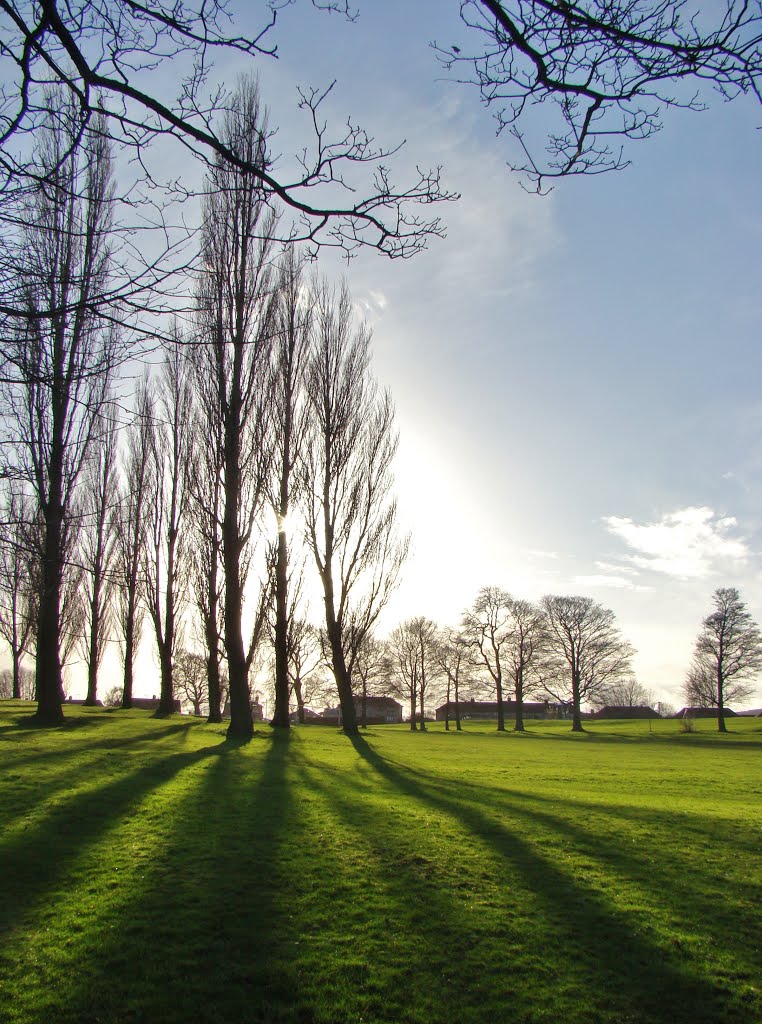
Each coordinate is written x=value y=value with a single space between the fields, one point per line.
x=566 y=648
x=264 y=405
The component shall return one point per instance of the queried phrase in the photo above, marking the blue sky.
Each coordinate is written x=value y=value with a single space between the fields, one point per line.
x=576 y=376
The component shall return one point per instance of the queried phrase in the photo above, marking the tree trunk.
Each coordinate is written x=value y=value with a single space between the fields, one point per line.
x=500 y=709
x=423 y=719
x=721 y=727
x=16 y=674
x=241 y=720
x=333 y=629
x=299 y=701
x=213 y=674
x=519 y=726
x=92 y=661
x=343 y=683
x=166 y=695
x=129 y=655
x=576 y=718
x=458 y=726
x=447 y=706
x=280 y=713
x=48 y=676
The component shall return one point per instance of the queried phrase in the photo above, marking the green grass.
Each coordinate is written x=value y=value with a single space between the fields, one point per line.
x=153 y=872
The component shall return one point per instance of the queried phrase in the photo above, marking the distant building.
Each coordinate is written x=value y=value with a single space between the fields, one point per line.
x=751 y=713
x=703 y=713
x=487 y=709
x=378 y=711
x=152 y=704
x=623 y=711
x=310 y=717
x=257 y=711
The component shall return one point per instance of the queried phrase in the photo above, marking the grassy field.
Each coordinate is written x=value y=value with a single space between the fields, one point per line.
x=153 y=872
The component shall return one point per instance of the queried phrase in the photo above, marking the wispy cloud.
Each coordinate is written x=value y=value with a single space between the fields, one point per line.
x=692 y=542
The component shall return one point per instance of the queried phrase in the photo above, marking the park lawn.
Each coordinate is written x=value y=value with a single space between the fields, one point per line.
x=152 y=871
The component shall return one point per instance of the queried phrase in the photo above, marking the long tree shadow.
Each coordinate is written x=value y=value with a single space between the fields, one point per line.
x=689 y=889
x=212 y=903
x=405 y=940
x=611 y=972
x=36 y=859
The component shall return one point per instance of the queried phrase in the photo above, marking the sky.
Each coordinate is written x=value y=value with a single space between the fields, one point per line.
x=576 y=376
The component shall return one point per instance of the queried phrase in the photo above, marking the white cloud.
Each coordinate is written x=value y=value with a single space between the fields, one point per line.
x=606 y=580
x=608 y=567
x=693 y=542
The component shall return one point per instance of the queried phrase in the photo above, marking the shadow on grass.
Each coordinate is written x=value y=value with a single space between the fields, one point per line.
x=236 y=897
x=36 y=858
x=615 y=968
x=211 y=905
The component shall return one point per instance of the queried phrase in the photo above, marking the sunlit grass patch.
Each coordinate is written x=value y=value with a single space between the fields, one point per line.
x=155 y=872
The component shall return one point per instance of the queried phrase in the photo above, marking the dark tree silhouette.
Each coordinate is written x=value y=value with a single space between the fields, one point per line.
x=728 y=653
x=236 y=302
x=131 y=530
x=59 y=357
x=289 y=354
x=18 y=597
x=204 y=521
x=97 y=544
x=104 y=53
x=166 y=564
x=346 y=470
x=602 y=73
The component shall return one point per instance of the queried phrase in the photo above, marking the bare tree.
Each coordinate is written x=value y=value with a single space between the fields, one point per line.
x=403 y=654
x=204 y=521
x=371 y=666
x=236 y=323
x=191 y=680
x=59 y=356
x=527 y=642
x=604 y=71
x=102 y=55
x=25 y=684
x=131 y=530
x=453 y=658
x=165 y=569
x=626 y=692
x=290 y=350
x=18 y=597
x=586 y=651
x=305 y=657
x=97 y=544
x=346 y=470
x=727 y=655
x=486 y=628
